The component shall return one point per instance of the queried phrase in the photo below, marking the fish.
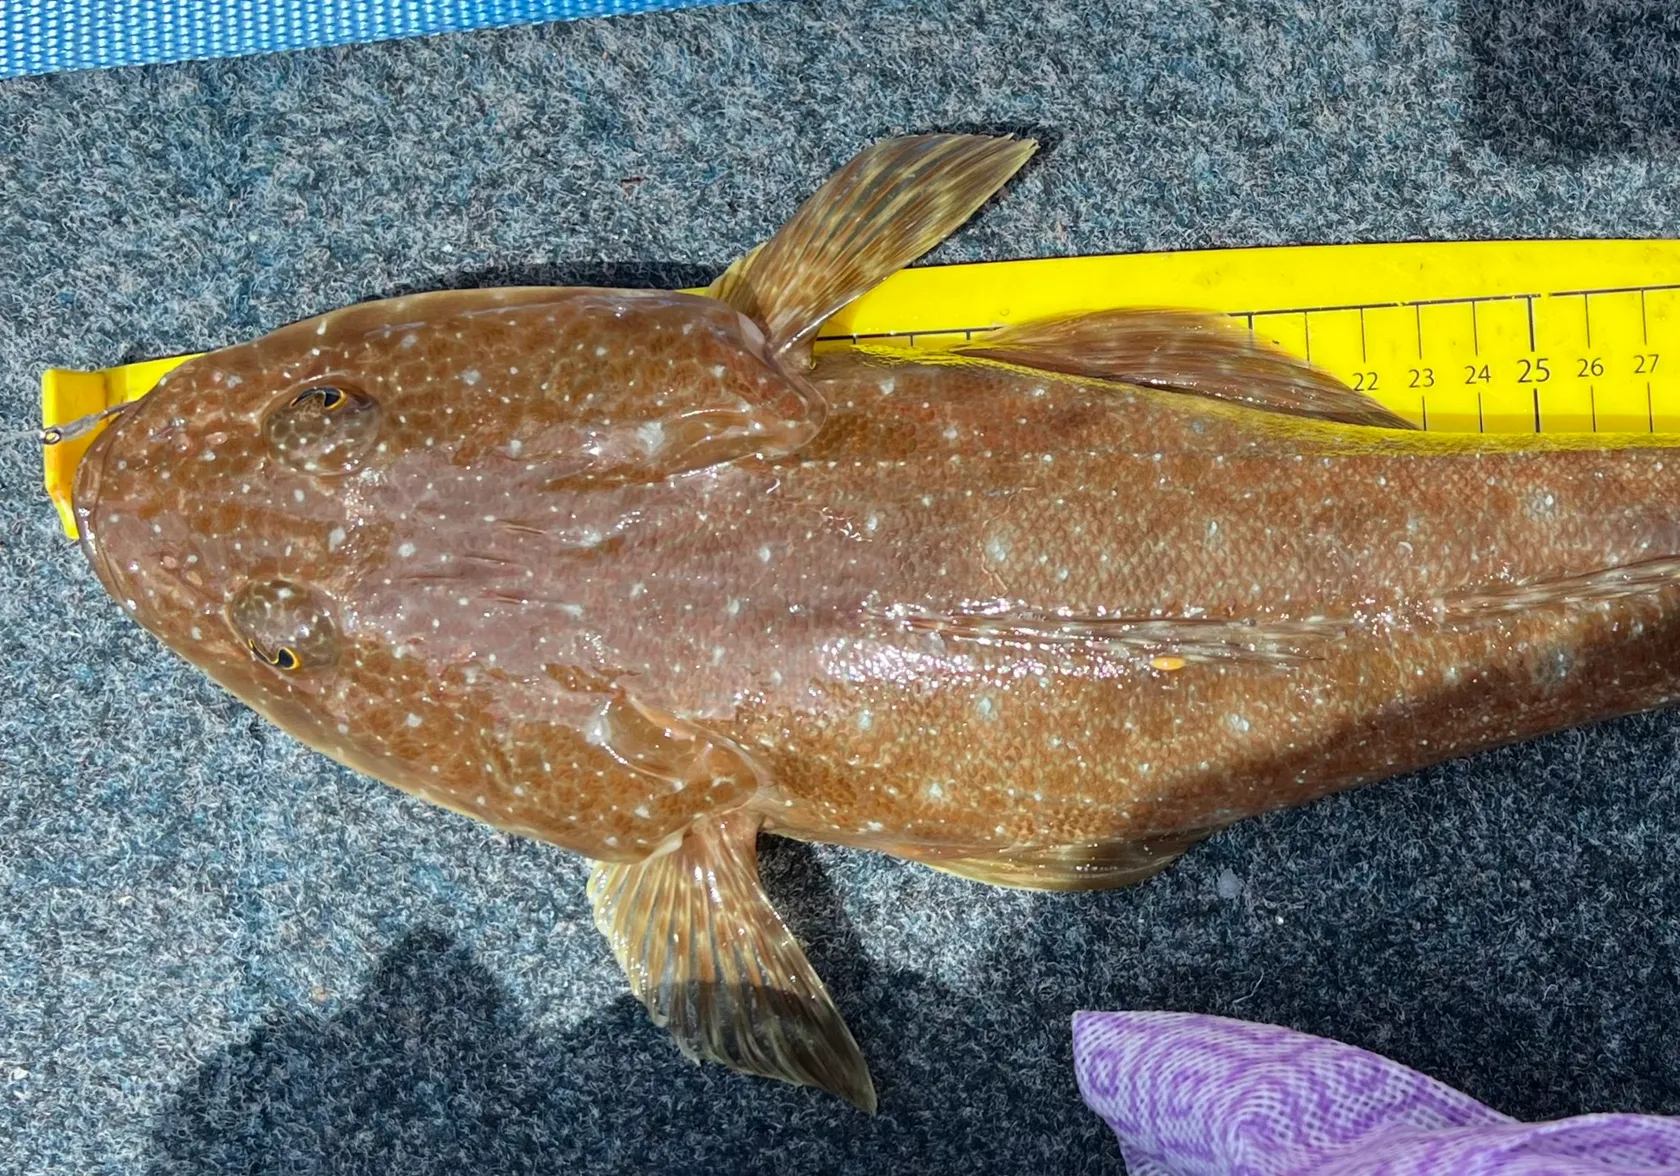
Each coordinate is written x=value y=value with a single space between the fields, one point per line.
x=646 y=575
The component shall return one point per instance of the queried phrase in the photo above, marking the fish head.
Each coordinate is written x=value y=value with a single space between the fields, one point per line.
x=372 y=527
x=214 y=509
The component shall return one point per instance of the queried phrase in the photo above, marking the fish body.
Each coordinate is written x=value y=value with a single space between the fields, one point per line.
x=631 y=573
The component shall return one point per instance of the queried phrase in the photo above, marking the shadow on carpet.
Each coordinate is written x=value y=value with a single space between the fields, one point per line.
x=1558 y=79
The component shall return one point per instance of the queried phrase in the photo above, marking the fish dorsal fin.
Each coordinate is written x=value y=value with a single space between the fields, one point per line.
x=1265 y=641
x=1095 y=866
x=1616 y=582
x=1182 y=351
x=887 y=207
x=707 y=954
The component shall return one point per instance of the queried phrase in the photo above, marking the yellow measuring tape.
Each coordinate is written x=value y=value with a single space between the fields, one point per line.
x=1468 y=336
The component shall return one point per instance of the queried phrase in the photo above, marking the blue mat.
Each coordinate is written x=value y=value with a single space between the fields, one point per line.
x=221 y=954
x=47 y=36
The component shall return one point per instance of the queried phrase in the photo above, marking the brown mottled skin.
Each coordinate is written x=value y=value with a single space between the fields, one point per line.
x=751 y=599
x=625 y=572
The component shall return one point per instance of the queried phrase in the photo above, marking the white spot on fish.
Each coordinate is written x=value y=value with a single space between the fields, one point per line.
x=470 y=377
x=515 y=446
x=652 y=436
x=997 y=549
x=887 y=387
x=335 y=538
x=409 y=340
x=733 y=608
x=413 y=719
x=764 y=554
x=1237 y=722
x=986 y=707
x=575 y=611
x=637 y=589
x=406 y=550
x=297 y=495
x=865 y=720
x=871 y=523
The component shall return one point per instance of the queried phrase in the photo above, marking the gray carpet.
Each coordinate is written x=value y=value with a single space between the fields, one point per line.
x=220 y=953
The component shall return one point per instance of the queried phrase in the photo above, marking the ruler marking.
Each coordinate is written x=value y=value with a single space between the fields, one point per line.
x=1416 y=303
x=1615 y=290
x=1473 y=299
x=1320 y=309
x=866 y=335
x=916 y=338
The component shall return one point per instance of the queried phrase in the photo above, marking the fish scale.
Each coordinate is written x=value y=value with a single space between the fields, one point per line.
x=631 y=573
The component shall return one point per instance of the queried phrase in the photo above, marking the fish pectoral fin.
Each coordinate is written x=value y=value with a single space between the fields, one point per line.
x=887 y=207
x=1102 y=865
x=707 y=954
x=1182 y=351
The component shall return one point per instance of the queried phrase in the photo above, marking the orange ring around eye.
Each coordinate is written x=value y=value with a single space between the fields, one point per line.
x=286 y=659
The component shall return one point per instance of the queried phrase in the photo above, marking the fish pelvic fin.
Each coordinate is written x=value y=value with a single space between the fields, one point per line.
x=1191 y=352
x=1104 y=865
x=887 y=207
x=707 y=954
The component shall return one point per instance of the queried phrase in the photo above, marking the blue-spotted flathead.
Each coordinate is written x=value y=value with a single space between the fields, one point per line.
x=633 y=573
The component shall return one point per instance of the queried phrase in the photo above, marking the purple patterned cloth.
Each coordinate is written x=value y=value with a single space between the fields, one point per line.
x=1190 y=1095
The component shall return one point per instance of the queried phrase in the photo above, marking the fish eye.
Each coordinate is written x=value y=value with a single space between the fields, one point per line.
x=324 y=428
x=285 y=625
x=284 y=658
x=327 y=397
